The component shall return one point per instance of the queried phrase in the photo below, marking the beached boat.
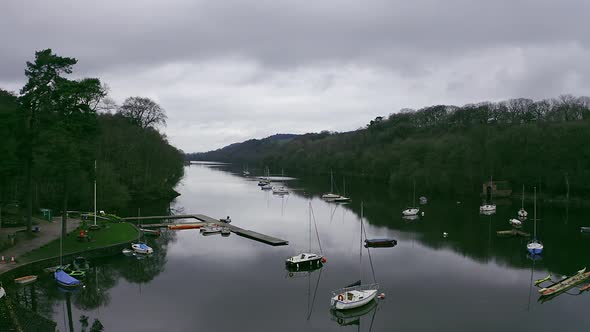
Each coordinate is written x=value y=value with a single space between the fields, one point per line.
x=380 y=242
x=65 y=280
x=26 y=280
x=565 y=284
x=357 y=294
x=141 y=248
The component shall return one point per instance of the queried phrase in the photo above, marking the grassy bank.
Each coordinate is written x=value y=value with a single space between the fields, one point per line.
x=112 y=233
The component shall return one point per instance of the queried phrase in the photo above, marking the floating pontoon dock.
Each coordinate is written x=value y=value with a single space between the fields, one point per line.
x=273 y=241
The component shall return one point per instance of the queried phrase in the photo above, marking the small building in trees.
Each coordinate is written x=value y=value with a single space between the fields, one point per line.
x=496 y=188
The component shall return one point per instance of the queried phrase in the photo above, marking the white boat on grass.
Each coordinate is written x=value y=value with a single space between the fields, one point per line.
x=357 y=294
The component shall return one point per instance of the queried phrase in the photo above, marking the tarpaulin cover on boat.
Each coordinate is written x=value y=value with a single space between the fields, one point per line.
x=65 y=278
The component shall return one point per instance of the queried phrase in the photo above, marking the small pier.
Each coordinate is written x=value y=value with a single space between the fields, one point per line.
x=204 y=220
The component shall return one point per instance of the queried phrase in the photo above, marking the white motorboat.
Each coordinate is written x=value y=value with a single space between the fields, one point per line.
x=515 y=222
x=141 y=248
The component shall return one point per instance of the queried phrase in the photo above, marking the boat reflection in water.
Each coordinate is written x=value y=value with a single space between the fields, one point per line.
x=302 y=271
x=353 y=316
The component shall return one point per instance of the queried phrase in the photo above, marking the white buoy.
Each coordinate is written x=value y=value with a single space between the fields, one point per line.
x=422 y=213
x=445 y=234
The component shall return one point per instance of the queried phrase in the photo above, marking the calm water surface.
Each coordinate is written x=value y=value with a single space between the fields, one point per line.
x=471 y=280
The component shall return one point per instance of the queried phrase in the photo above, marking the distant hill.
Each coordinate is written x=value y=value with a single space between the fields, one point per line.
x=250 y=151
x=445 y=148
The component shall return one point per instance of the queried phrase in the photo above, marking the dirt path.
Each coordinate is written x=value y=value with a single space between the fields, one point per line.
x=49 y=231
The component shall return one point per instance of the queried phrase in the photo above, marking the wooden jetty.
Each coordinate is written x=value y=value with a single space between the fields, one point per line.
x=513 y=232
x=204 y=220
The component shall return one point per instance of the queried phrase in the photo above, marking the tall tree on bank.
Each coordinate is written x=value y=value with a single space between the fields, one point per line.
x=61 y=121
x=143 y=112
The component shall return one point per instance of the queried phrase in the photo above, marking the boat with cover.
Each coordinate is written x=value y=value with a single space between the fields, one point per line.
x=65 y=280
x=413 y=210
x=522 y=214
x=565 y=284
x=307 y=258
x=357 y=294
x=26 y=280
x=534 y=246
x=373 y=243
x=141 y=248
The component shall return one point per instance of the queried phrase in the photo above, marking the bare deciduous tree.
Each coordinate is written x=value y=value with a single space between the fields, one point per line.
x=143 y=112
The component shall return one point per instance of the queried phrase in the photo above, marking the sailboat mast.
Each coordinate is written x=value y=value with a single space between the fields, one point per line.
x=361 y=247
x=331 y=182
x=414 y=197
x=522 y=199
x=535 y=213
x=309 y=212
x=95 y=193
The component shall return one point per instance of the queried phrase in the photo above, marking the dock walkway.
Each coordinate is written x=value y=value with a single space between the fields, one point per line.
x=273 y=241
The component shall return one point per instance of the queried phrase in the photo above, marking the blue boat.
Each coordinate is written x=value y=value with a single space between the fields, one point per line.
x=65 y=280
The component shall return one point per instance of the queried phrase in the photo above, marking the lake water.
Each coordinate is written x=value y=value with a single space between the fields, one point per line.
x=470 y=280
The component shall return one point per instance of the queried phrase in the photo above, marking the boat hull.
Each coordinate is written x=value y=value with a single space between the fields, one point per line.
x=314 y=262
x=25 y=280
x=341 y=305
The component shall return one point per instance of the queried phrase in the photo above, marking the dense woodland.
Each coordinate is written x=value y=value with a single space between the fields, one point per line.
x=445 y=149
x=54 y=132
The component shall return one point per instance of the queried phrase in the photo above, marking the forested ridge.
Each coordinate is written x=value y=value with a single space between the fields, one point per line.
x=58 y=134
x=447 y=149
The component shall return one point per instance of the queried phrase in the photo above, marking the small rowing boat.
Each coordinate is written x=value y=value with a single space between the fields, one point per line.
x=25 y=280
x=185 y=226
x=565 y=284
x=152 y=232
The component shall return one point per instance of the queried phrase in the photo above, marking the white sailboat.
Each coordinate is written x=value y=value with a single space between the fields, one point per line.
x=534 y=246
x=413 y=210
x=356 y=294
x=522 y=214
x=280 y=190
x=331 y=196
x=307 y=259
x=343 y=198
x=489 y=208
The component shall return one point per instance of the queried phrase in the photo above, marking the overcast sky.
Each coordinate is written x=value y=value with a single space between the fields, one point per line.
x=231 y=70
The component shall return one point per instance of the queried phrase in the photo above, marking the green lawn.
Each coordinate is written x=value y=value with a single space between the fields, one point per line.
x=112 y=233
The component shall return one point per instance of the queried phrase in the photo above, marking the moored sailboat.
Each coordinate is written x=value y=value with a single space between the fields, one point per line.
x=307 y=259
x=356 y=294
x=413 y=210
x=534 y=246
x=522 y=214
